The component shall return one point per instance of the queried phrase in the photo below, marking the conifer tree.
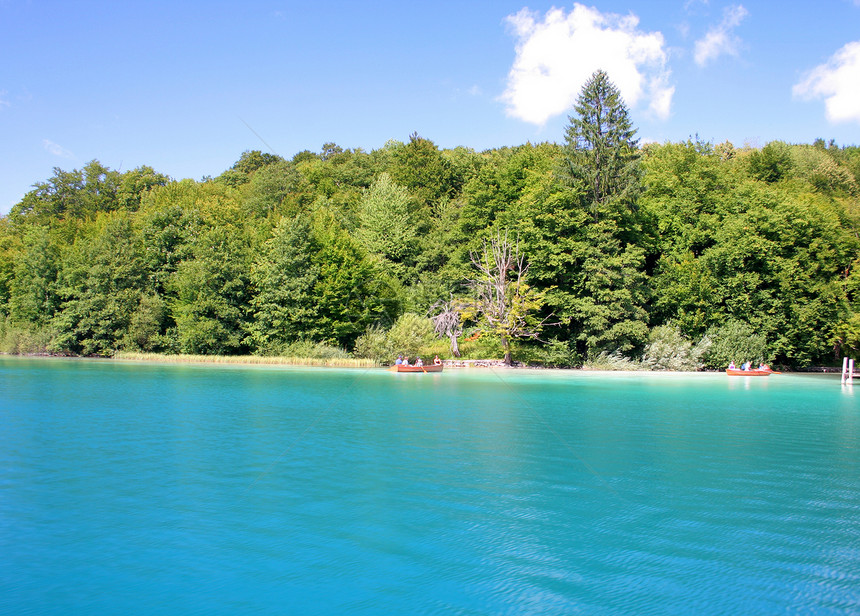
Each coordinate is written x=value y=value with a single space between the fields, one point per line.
x=601 y=151
x=602 y=164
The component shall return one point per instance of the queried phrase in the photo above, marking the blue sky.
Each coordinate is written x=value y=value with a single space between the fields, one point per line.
x=176 y=85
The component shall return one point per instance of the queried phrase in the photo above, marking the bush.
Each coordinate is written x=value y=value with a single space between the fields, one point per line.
x=410 y=335
x=611 y=361
x=736 y=341
x=669 y=349
x=553 y=354
x=18 y=339
x=373 y=344
x=483 y=347
x=311 y=350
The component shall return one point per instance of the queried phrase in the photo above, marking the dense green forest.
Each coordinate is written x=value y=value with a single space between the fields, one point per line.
x=669 y=255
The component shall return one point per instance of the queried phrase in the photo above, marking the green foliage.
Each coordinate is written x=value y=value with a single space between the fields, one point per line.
x=313 y=251
x=615 y=361
x=604 y=299
x=86 y=192
x=552 y=354
x=669 y=349
x=33 y=292
x=847 y=336
x=253 y=160
x=601 y=152
x=420 y=167
x=350 y=292
x=410 y=336
x=685 y=190
x=146 y=325
x=244 y=169
x=102 y=279
x=10 y=245
x=373 y=344
x=385 y=226
x=771 y=163
x=284 y=277
x=819 y=167
x=309 y=350
x=608 y=310
x=25 y=338
x=273 y=188
x=735 y=341
x=211 y=293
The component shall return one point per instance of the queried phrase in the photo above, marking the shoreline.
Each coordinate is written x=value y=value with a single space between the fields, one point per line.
x=341 y=362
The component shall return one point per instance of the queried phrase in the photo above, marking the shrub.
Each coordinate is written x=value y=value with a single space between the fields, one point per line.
x=611 y=361
x=410 y=335
x=735 y=341
x=373 y=344
x=20 y=339
x=669 y=349
x=311 y=350
x=553 y=354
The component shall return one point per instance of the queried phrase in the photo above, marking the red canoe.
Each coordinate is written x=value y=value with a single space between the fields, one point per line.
x=422 y=369
x=734 y=372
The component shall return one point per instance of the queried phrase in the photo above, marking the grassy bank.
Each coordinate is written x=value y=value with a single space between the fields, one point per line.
x=332 y=362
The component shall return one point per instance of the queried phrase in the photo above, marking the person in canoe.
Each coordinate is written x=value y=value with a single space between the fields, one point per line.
x=732 y=365
x=419 y=363
x=437 y=361
x=399 y=360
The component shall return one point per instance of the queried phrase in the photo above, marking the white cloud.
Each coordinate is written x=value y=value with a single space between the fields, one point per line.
x=56 y=149
x=555 y=56
x=720 y=39
x=4 y=102
x=838 y=83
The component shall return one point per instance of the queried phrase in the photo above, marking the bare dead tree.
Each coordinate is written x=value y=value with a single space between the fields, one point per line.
x=447 y=322
x=503 y=299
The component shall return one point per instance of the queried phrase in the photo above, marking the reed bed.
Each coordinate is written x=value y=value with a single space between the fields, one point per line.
x=329 y=362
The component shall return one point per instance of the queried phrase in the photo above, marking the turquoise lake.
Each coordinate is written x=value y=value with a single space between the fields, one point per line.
x=141 y=488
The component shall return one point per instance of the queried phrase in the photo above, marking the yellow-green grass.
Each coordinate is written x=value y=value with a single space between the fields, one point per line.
x=338 y=362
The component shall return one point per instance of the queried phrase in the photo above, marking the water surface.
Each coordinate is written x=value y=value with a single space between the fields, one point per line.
x=201 y=489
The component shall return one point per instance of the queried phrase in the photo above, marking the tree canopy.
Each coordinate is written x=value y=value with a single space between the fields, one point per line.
x=629 y=249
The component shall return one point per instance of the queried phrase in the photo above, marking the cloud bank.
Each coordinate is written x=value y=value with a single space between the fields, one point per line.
x=720 y=40
x=556 y=54
x=838 y=83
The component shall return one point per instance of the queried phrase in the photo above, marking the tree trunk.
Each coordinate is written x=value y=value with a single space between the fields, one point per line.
x=506 y=345
x=455 y=346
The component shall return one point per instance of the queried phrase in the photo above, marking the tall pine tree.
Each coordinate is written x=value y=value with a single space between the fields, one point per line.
x=602 y=163
x=601 y=151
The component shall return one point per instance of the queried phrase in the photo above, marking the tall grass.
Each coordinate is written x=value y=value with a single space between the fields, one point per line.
x=18 y=339
x=331 y=362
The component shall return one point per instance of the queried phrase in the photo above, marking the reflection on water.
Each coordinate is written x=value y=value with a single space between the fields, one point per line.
x=220 y=490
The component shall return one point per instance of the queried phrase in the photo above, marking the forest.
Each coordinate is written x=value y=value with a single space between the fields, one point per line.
x=596 y=250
